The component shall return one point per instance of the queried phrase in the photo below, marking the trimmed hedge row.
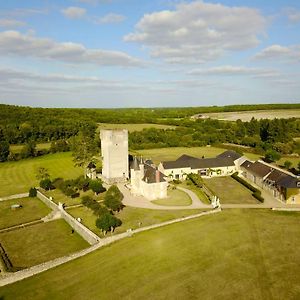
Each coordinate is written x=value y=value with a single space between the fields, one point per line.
x=255 y=192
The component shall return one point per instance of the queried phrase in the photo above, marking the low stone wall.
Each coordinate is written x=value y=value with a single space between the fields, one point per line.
x=17 y=196
x=47 y=201
x=84 y=232
x=87 y=234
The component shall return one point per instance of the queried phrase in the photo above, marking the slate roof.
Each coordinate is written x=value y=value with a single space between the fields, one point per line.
x=230 y=154
x=258 y=169
x=150 y=174
x=246 y=164
x=225 y=159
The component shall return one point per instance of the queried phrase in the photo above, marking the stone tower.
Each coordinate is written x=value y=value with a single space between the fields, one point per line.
x=114 y=151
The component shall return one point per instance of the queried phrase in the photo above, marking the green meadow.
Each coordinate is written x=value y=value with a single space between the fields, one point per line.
x=235 y=254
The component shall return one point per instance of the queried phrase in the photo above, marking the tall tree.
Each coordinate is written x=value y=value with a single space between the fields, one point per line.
x=4 y=150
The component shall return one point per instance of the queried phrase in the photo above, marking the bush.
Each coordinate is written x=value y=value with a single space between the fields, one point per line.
x=46 y=184
x=32 y=192
x=113 y=198
x=176 y=181
x=75 y=195
x=96 y=186
x=98 y=209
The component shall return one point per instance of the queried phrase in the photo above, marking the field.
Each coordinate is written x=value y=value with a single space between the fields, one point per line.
x=133 y=127
x=164 y=154
x=39 y=243
x=257 y=114
x=187 y=184
x=18 y=176
x=131 y=217
x=32 y=209
x=175 y=197
x=58 y=196
x=231 y=255
x=293 y=160
x=230 y=191
x=18 y=148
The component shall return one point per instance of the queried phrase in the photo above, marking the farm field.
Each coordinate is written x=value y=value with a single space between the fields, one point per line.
x=230 y=191
x=18 y=176
x=39 y=243
x=133 y=127
x=175 y=197
x=257 y=114
x=164 y=154
x=230 y=255
x=18 y=148
x=131 y=217
x=32 y=209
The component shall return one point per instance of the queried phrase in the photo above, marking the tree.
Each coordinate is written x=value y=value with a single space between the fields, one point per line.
x=113 y=198
x=42 y=173
x=28 y=150
x=32 y=192
x=287 y=164
x=272 y=155
x=4 y=150
x=46 y=184
x=84 y=148
x=108 y=222
x=96 y=186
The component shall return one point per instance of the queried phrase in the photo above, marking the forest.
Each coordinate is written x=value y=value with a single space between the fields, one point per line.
x=28 y=126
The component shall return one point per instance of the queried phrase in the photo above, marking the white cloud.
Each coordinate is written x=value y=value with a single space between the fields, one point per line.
x=278 y=52
x=22 y=12
x=110 y=18
x=11 y=23
x=234 y=70
x=16 y=43
x=198 y=31
x=293 y=14
x=74 y=12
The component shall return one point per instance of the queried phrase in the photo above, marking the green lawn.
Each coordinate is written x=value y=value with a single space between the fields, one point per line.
x=230 y=191
x=236 y=254
x=39 y=243
x=32 y=209
x=175 y=197
x=293 y=160
x=58 y=196
x=187 y=184
x=164 y=154
x=18 y=176
x=131 y=217
x=18 y=148
x=133 y=127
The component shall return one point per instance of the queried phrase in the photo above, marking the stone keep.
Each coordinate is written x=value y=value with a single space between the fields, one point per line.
x=114 y=151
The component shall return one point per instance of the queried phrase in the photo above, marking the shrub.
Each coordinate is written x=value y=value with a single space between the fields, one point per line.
x=46 y=184
x=96 y=186
x=32 y=192
x=113 y=198
x=75 y=195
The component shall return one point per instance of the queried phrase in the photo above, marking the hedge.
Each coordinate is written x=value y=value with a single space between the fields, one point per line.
x=255 y=192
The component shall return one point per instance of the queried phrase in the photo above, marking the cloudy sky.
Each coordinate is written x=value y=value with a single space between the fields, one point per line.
x=142 y=53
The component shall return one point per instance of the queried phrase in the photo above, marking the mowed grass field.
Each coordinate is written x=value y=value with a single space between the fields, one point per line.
x=230 y=191
x=175 y=197
x=257 y=114
x=131 y=217
x=18 y=148
x=33 y=245
x=235 y=254
x=18 y=176
x=165 y=154
x=32 y=209
x=133 y=127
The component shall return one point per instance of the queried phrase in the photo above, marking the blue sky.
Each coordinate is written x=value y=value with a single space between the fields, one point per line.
x=130 y=53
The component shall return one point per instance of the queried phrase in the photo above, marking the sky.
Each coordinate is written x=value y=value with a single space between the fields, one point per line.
x=149 y=53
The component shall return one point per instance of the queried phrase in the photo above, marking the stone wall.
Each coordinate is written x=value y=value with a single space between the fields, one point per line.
x=83 y=231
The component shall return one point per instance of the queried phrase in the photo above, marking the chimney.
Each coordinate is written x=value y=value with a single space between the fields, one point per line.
x=157 y=176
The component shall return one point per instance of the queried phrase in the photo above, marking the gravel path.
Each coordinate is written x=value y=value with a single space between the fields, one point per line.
x=141 y=202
